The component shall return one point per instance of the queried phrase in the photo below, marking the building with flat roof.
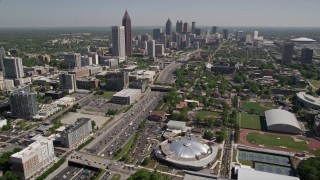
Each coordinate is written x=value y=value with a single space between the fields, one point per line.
x=23 y=103
x=151 y=48
x=287 y=53
x=306 y=55
x=75 y=134
x=13 y=67
x=68 y=82
x=251 y=174
x=47 y=110
x=116 y=81
x=308 y=100
x=176 y=125
x=80 y=72
x=118 y=41
x=126 y=96
x=283 y=121
x=72 y=60
x=87 y=83
x=33 y=159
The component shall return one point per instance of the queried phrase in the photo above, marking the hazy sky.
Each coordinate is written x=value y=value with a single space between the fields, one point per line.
x=60 y=13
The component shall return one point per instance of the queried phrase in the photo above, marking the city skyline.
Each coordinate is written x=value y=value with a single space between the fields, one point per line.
x=82 y=13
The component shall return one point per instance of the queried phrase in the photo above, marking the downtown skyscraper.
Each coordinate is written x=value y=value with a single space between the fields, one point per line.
x=168 y=27
x=126 y=22
x=118 y=41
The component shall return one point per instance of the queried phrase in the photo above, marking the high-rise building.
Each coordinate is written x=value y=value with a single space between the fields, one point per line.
x=168 y=27
x=146 y=37
x=68 y=82
x=72 y=60
x=151 y=48
x=165 y=40
x=287 y=53
x=126 y=22
x=179 y=26
x=157 y=33
x=95 y=58
x=186 y=27
x=225 y=34
x=214 y=29
x=306 y=55
x=34 y=158
x=255 y=35
x=23 y=103
x=74 y=135
x=118 y=41
x=13 y=67
x=193 y=29
x=86 y=61
x=116 y=81
x=159 y=49
x=198 y=31
x=2 y=54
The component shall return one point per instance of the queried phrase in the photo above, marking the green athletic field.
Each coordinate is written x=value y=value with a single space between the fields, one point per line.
x=259 y=108
x=249 y=121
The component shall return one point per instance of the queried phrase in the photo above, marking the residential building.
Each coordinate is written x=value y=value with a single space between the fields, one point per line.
x=126 y=22
x=306 y=55
x=13 y=67
x=72 y=60
x=168 y=27
x=287 y=53
x=151 y=48
x=76 y=134
x=67 y=82
x=23 y=103
x=33 y=159
x=126 y=96
x=116 y=81
x=118 y=41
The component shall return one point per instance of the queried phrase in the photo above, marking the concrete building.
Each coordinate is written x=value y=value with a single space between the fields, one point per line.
x=93 y=69
x=47 y=110
x=13 y=67
x=112 y=63
x=168 y=27
x=214 y=29
x=126 y=22
x=177 y=125
x=282 y=121
x=225 y=34
x=126 y=96
x=68 y=82
x=308 y=100
x=6 y=84
x=23 y=103
x=159 y=50
x=139 y=84
x=151 y=48
x=156 y=33
x=86 y=61
x=287 y=53
x=118 y=41
x=193 y=27
x=80 y=72
x=72 y=60
x=255 y=35
x=186 y=27
x=251 y=174
x=179 y=26
x=33 y=159
x=87 y=83
x=75 y=134
x=95 y=58
x=2 y=55
x=3 y=122
x=198 y=31
x=306 y=55
x=116 y=81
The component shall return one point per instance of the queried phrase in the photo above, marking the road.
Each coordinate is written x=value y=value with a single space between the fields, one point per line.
x=215 y=52
x=166 y=76
x=226 y=160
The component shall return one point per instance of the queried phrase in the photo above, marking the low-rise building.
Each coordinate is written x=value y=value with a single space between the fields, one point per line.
x=126 y=96
x=157 y=116
x=94 y=69
x=176 y=125
x=87 y=83
x=47 y=110
x=139 y=84
x=75 y=134
x=6 y=84
x=54 y=94
x=308 y=100
x=80 y=72
x=3 y=122
x=33 y=159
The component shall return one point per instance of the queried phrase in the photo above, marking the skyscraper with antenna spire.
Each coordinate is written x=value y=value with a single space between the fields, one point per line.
x=126 y=22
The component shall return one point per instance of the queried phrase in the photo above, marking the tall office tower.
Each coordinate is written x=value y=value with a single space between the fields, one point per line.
x=255 y=35
x=118 y=41
x=168 y=27
x=287 y=53
x=225 y=34
x=72 y=60
x=193 y=29
x=179 y=26
x=198 y=31
x=68 y=82
x=214 y=29
x=126 y=22
x=23 y=103
x=13 y=67
x=306 y=55
x=186 y=27
x=116 y=81
x=159 y=49
x=2 y=54
x=165 y=40
x=33 y=159
x=156 y=33
x=146 y=37
x=151 y=48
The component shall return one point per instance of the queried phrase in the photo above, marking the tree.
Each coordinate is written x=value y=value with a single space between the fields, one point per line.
x=309 y=169
x=146 y=161
x=141 y=174
x=9 y=175
x=93 y=124
x=208 y=135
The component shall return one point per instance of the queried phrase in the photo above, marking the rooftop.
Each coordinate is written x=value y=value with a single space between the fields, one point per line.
x=176 y=123
x=127 y=92
x=303 y=39
x=250 y=174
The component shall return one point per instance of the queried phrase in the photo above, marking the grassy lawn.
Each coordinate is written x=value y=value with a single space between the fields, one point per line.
x=246 y=162
x=124 y=149
x=203 y=114
x=250 y=121
x=116 y=177
x=314 y=83
x=259 y=108
x=277 y=141
x=106 y=95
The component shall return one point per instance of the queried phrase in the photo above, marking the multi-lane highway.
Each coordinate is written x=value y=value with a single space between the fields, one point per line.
x=226 y=160
x=166 y=76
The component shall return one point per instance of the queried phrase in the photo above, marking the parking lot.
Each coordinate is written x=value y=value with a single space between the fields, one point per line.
x=113 y=141
x=100 y=105
x=72 y=117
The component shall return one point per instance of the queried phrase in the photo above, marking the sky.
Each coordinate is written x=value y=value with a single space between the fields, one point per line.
x=72 y=13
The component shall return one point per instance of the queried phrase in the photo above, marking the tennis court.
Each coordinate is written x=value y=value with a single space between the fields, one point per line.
x=266 y=158
x=273 y=169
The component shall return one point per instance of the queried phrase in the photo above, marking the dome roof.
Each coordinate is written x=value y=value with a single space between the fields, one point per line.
x=187 y=148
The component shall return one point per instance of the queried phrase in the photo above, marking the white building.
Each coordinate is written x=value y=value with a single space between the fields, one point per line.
x=3 y=122
x=47 y=110
x=255 y=34
x=118 y=41
x=308 y=100
x=33 y=159
x=151 y=48
x=6 y=84
x=76 y=134
x=126 y=96
x=86 y=61
x=176 y=125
